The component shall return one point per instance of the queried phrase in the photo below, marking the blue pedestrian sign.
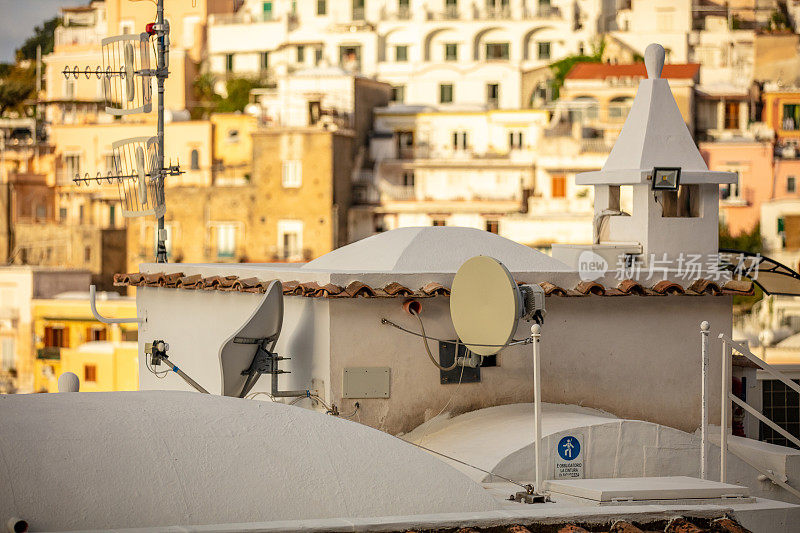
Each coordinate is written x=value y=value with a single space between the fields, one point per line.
x=568 y=459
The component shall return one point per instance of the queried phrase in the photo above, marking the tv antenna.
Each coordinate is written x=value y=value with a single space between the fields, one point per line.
x=138 y=163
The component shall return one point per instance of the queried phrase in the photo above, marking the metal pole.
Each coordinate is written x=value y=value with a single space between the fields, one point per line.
x=161 y=74
x=726 y=406
x=182 y=374
x=704 y=330
x=536 y=334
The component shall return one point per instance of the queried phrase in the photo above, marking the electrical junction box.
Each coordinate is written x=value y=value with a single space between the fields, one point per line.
x=366 y=382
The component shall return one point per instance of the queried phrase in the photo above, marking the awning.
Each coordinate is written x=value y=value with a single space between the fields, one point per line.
x=770 y=275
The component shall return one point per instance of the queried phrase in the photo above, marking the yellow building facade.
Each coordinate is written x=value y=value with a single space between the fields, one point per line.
x=67 y=338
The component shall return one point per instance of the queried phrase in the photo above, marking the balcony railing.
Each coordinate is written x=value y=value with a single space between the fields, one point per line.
x=49 y=352
x=396 y=192
x=223 y=19
x=66 y=36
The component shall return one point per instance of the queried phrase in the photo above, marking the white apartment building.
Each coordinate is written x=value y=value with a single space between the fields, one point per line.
x=433 y=52
x=502 y=171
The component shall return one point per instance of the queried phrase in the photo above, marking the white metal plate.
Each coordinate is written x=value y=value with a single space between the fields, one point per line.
x=366 y=382
x=645 y=488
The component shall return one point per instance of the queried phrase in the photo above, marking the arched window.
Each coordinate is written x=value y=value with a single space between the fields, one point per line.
x=583 y=109
x=195 y=159
x=618 y=108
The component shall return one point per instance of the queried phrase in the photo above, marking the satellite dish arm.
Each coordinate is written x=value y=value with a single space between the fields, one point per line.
x=104 y=320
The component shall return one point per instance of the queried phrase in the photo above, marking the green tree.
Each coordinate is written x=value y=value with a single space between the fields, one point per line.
x=562 y=67
x=749 y=241
x=43 y=35
x=17 y=86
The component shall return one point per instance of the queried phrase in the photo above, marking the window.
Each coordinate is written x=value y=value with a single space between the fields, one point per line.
x=358 y=9
x=497 y=51
x=451 y=52
x=8 y=355
x=72 y=164
x=90 y=373
x=401 y=53
x=87 y=254
x=126 y=27
x=322 y=7
x=41 y=211
x=791 y=117
x=69 y=88
x=438 y=222
x=266 y=10
x=290 y=240
x=189 y=30
x=264 y=60
x=399 y=93
x=558 y=186
x=618 y=108
x=317 y=56
x=405 y=144
x=62 y=214
x=515 y=139
x=226 y=240
x=492 y=94
x=112 y=163
x=459 y=140
x=408 y=178
x=95 y=333
x=544 y=50
x=791 y=185
x=195 y=159
x=228 y=63
x=451 y=9
x=56 y=337
x=232 y=136
x=350 y=58
x=112 y=215
x=81 y=214
x=492 y=226
x=732 y=115
x=301 y=54
x=445 y=93
x=292 y=174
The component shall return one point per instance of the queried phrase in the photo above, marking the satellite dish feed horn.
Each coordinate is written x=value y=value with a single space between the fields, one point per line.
x=486 y=305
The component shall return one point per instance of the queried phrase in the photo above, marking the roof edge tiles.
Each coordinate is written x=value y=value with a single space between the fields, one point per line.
x=393 y=289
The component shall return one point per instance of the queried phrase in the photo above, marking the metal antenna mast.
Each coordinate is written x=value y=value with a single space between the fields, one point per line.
x=162 y=71
x=138 y=162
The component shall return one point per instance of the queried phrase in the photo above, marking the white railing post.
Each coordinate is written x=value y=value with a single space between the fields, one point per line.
x=704 y=330
x=725 y=412
x=536 y=334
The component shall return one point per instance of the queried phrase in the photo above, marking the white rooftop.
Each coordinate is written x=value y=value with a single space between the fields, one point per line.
x=440 y=249
x=158 y=458
x=654 y=135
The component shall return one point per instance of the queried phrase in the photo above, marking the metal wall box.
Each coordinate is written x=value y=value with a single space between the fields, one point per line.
x=366 y=382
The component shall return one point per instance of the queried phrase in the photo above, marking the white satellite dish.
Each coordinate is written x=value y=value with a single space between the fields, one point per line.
x=486 y=304
x=260 y=332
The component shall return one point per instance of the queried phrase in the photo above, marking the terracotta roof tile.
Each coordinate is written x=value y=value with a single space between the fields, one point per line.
x=667 y=287
x=590 y=287
x=357 y=288
x=194 y=281
x=435 y=289
x=155 y=280
x=620 y=526
x=395 y=289
x=601 y=71
x=328 y=290
x=549 y=289
x=629 y=286
x=681 y=525
x=738 y=286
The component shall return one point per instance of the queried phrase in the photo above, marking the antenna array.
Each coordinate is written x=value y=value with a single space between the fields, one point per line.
x=138 y=162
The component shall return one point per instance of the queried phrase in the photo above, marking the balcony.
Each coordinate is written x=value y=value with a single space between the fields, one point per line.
x=224 y=19
x=49 y=352
x=392 y=191
x=449 y=13
x=77 y=36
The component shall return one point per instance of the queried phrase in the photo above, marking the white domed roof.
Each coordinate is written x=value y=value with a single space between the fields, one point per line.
x=158 y=458
x=440 y=249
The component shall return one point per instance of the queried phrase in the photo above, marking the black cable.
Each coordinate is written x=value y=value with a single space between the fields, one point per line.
x=388 y=322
